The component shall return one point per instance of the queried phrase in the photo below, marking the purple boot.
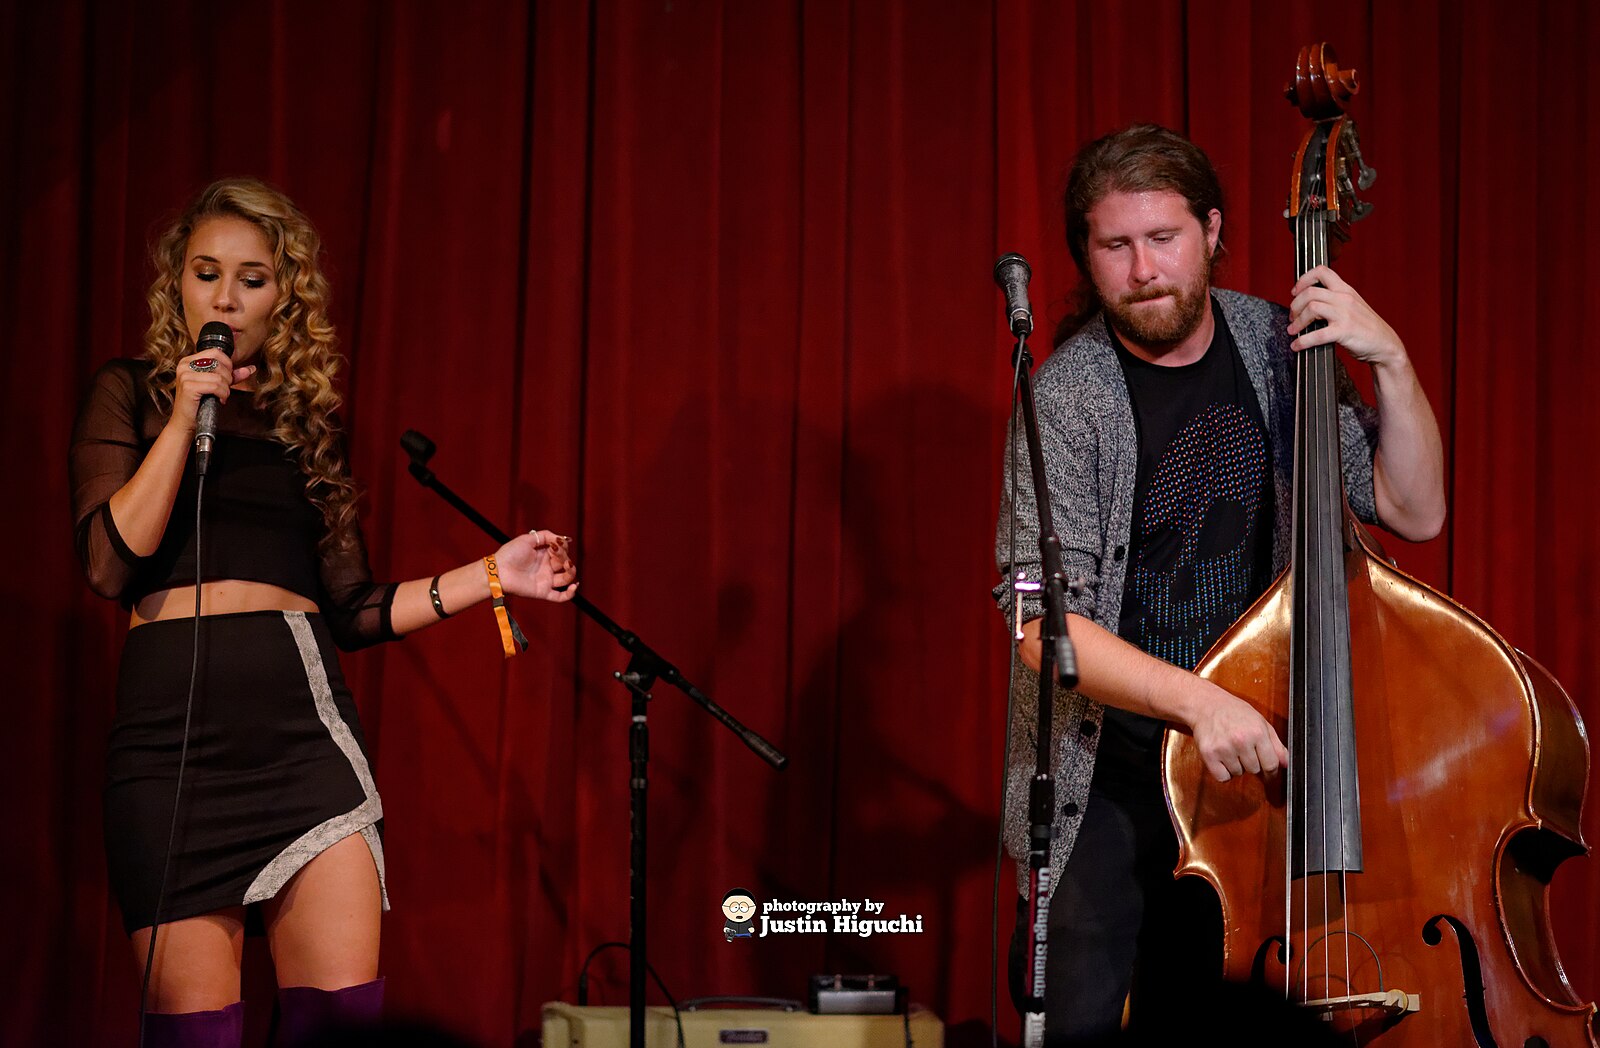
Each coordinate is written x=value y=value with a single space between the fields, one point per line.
x=304 y=1011
x=223 y=1028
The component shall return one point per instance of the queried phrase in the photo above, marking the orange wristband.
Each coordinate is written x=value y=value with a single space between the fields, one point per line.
x=511 y=638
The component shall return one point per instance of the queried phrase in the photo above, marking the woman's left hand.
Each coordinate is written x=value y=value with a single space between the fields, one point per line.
x=538 y=564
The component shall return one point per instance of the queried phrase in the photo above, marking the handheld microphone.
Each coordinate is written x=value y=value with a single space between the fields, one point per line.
x=219 y=336
x=1012 y=273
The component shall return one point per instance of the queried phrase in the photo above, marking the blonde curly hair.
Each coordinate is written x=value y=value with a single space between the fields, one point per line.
x=300 y=357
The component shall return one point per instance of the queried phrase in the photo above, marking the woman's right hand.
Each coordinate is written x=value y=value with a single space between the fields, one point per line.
x=191 y=385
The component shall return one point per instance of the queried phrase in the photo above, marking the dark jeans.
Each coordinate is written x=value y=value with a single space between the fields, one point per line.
x=1119 y=920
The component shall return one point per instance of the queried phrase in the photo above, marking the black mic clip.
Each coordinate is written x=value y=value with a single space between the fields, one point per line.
x=419 y=449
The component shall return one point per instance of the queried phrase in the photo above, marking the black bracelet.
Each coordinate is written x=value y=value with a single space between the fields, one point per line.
x=433 y=594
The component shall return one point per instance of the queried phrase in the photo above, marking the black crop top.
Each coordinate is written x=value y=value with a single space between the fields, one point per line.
x=259 y=524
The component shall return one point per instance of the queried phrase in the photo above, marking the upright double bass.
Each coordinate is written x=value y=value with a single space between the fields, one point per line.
x=1394 y=879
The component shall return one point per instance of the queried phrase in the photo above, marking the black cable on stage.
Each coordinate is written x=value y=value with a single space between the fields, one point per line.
x=583 y=983
x=183 y=756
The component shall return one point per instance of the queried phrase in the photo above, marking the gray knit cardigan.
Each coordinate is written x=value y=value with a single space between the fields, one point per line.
x=1091 y=453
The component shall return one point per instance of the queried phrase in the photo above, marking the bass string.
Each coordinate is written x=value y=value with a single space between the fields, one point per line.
x=1318 y=525
x=1307 y=607
x=1333 y=519
x=1317 y=549
x=1306 y=612
x=1291 y=823
x=1319 y=543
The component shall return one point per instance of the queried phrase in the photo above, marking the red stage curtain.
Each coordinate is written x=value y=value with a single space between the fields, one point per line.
x=707 y=285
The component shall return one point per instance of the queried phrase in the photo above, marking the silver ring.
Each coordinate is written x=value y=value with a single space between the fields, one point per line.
x=203 y=365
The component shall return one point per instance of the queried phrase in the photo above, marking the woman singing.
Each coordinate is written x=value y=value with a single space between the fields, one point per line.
x=276 y=803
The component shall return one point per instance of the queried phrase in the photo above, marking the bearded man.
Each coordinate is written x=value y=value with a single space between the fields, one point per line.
x=1167 y=423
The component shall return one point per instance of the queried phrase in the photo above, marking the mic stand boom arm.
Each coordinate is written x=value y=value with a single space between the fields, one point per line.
x=645 y=667
x=643 y=657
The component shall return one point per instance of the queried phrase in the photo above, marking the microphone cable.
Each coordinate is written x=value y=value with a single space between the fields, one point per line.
x=583 y=982
x=183 y=756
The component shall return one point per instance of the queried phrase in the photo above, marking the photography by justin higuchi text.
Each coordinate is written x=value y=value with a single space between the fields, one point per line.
x=744 y=918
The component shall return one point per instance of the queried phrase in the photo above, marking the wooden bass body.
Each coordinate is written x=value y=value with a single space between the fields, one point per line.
x=1472 y=770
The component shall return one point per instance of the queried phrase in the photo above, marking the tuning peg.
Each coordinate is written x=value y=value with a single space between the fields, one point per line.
x=1359 y=209
x=1365 y=175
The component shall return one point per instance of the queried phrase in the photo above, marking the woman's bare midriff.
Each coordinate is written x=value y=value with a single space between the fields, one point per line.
x=222 y=597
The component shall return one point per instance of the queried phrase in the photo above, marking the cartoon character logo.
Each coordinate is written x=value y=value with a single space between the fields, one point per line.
x=738 y=907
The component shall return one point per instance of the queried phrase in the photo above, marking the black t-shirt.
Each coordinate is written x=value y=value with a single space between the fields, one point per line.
x=1200 y=550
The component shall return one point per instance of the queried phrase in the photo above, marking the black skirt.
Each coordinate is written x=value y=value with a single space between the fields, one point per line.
x=276 y=770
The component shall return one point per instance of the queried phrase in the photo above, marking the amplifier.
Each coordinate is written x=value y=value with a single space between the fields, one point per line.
x=569 y=1026
x=857 y=995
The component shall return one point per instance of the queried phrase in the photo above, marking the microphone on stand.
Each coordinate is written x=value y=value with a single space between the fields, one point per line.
x=219 y=336
x=420 y=449
x=1012 y=273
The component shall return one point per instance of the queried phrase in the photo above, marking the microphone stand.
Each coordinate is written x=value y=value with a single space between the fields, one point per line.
x=1057 y=661
x=645 y=667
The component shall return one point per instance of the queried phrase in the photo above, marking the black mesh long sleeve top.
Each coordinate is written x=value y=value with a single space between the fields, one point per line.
x=260 y=526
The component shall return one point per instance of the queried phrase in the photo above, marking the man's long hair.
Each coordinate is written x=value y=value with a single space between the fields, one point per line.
x=1137 y=159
